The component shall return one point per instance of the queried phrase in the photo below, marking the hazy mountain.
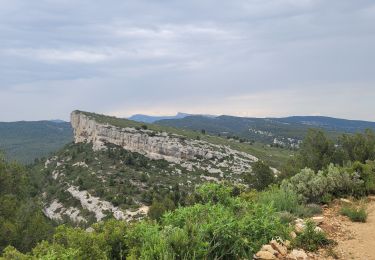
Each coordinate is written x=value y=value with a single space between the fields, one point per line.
x=152 y=119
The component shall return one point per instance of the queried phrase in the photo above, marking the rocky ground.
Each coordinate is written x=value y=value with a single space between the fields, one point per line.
x=353 y=241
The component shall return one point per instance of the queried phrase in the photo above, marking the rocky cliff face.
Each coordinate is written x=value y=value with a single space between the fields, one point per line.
x=93 y=179
x=159 y=145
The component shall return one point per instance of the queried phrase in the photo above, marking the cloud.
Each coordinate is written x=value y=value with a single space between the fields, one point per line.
x=221 y=57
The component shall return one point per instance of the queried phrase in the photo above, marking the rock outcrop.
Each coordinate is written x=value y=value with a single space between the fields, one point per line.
x=159 y=145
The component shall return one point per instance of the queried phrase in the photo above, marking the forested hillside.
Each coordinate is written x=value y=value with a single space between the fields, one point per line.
x=25 y=141
x=284 y=132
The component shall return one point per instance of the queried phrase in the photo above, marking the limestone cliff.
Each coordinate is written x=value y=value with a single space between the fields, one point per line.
x=158 y=145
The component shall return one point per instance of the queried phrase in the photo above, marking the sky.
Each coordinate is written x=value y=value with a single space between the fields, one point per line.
x=255 y=58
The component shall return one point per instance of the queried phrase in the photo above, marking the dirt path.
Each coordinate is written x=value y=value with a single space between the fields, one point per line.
x=358 y=242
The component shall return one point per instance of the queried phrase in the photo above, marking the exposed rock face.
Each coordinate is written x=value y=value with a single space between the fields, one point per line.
x=155 y=145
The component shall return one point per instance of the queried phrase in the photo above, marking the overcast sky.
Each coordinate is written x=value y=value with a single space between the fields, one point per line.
x=240 y=57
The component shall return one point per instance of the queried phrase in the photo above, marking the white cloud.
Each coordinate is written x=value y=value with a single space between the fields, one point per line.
x=233 y=57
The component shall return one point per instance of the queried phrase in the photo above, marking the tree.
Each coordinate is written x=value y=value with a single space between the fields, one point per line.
x=358 y=147
x=261 y=176
x=156 y=210
x=317 y=151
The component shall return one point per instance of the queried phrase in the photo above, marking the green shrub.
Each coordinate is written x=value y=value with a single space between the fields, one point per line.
x=224 y=227
x=229 y=233
x=356 y=214
x=310 y=239
x=315 y=187
x=213 y=193
x=281 y=199
x=260 y=177
x=286 y=217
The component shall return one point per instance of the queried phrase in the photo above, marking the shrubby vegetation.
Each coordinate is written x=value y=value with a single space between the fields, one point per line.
x=310 y=239
x=356 y=214
x=317 y=151
x=219 y=226
x=216 y=221
x=22 y=223
x=322 y=186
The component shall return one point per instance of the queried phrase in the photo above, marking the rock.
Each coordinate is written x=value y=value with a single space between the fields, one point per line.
x=299 y=220
x=318 y=220
x=293 y=234
x=269 y=248
x=318 y=229
x=90 y=230
x=345 y=201
x=297 y=255
x=287 y=243
x=299 y=228
x=156 y=145
x=279 y=248
x=264 y=255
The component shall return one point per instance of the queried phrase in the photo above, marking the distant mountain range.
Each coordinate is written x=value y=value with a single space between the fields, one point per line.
x=288 y=131
x=24 y=141
x=153 y=119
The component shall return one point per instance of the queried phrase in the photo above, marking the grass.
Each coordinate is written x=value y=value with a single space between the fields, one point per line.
x=355 y=214
x=286 y=201
x=282 y=200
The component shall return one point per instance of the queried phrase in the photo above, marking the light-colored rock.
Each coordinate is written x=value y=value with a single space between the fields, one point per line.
x=299 y=220
x=269 y=248
x=264 y=255
x=279 y=247
x=51 y=211
x=297 y=255
x=156 y=145
x=345 y=201
x=318 y=229
x=287 y=243
x=318 y=220
x=293 y=234
x=299 y=228
x=90 y=230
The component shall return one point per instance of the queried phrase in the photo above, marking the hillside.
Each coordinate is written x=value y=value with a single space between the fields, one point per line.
x=117 y=167
x=125 y=189
x=25 y=141
x=285 y=132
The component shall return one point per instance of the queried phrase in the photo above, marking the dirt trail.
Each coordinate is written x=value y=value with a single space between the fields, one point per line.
x=359 y=241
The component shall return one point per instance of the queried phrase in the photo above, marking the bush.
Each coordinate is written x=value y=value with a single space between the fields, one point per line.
x=316 y=187
x=310 y=239
x=222 y=227
x=355 y=214
x=229 y=233
x=213 y=193
x=281 y=199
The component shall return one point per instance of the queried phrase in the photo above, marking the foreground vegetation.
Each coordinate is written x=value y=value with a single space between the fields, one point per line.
x=215 y=221
x=22 y=223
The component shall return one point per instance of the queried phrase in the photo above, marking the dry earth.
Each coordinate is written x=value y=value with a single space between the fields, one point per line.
x=354 y=240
